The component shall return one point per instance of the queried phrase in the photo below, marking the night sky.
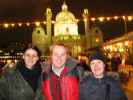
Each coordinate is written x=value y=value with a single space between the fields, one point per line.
x=12 y=10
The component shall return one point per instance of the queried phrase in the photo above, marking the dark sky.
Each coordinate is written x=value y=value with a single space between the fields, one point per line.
x=36 y=8
x=13 y=10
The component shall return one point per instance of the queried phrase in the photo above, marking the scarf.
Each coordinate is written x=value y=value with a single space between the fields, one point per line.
x=31 y=75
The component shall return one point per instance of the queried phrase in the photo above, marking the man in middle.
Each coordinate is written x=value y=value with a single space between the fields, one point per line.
x=61 y=76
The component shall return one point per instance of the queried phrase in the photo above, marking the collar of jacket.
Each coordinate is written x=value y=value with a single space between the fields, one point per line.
x=70 y=63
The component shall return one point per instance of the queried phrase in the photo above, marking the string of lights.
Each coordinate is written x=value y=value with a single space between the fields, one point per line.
x=38 y=23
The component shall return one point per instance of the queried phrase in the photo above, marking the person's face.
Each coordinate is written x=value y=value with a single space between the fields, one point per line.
x=59 y=56
x=97 y=68
x=30 y=58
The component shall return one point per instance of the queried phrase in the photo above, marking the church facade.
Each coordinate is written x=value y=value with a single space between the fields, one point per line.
x=65 y=30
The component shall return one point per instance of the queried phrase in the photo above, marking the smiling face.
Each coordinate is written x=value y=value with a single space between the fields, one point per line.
x=59 y=56
x=97 y=68
x=30 y=58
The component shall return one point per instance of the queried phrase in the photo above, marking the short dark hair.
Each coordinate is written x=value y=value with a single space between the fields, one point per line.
x=34 y=48
x=99 y=56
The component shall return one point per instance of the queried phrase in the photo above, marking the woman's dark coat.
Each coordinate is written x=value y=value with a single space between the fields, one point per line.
x=14 y=87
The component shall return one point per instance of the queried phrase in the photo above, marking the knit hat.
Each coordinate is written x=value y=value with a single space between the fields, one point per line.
x=98 y=56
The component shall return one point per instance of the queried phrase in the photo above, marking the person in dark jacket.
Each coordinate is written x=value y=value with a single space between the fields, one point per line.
x=60 y=81
x=24 y=80
x=97 y=85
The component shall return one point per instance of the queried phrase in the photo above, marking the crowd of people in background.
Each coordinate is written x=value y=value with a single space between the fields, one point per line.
x=60 y=77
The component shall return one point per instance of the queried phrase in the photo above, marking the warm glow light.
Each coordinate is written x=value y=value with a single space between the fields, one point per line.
x=37 y=23
x=104 y=48
x=101 y=19
x=1 y=51
x=53 y=22
x=130 y=18
x=108 y=18
x=6 y=25
x=86 y=11
x=121 y=50
x=44 y=22
x=20 y=24
x=12 y=24
x=28 y=24
x=111 y=48
x=9 y=61
x=93 y=19
x=69 y=28
x=116 y=17
x=119 y=44
x=124 y=17
x=77 y=20
x=107 y=47
x=85 y=19
x=126 y=43
x=97 y=39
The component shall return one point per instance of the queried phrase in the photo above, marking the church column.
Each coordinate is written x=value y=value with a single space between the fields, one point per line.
x=49 y=24
x=87 y=29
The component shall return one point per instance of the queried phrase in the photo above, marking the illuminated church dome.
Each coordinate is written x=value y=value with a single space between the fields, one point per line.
x=65 y=23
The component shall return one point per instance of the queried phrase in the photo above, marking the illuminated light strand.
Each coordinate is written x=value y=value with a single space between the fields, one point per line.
x=93 y=19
